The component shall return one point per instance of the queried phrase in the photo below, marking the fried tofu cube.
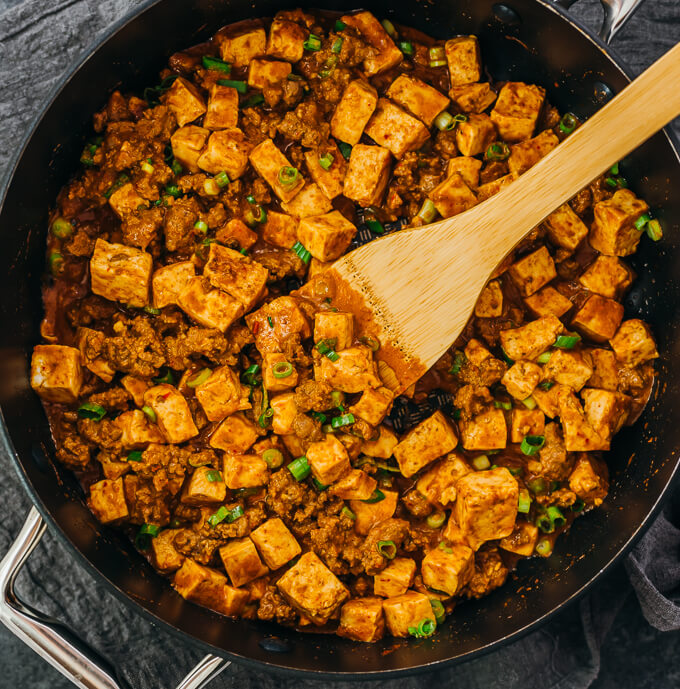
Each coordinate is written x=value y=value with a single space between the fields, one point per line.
x=237 y=230
x=353 y=371
x=188 y=144
x=368 y=514
x=448 y=572
x=533 y=271
x=310 y=201
x=208 y=587
x=485 y=191
x=486 y=506
x=312 y=589
x=486 y=431
x=287 y=322
x=430 y=439
x=385 y=53
x=222 y=394
x=212 y=308
x=396 y=578
x=472 y=97
x=438 y=484
x=526 y=422
x=490 y=302
x=565 y=228
x=527 y=153
x=589 y=480
x=275 y=542
x=605 y=370
x=185 y=101
x=227 y=151
x=476 y=135
x=367 y=174
x=136 y=430
x=222 y=112
x=173 y=415
x=362 y=619
x=280 y=230
x=605 y=410
x=241 y=561
x=548 y=400
x=521 y=379
x=245 y=471
x=330 y=180
x=383 y=447
x=272 y=362
x=419 y=98
x=268 y=161
x=548 y=302
x=395 y=129
x=121 y=273
x=328 y=460
x=236 y=274
x=242 y=42
x=522 y=540
x=334 y=325
x=569 y=367
x=266 y=73
x=285 y=411
x=353 y=112
x=168 y=282
x=373 y=405
x=165 y=556
x=286 y=40
x=599 y=318
x=579 y=434
x=613 y=231
x=532 y=339
x=235 y=434
x=136 y=387
x=634 y=343
x=452 y=196
x=327 y=236
x=465 y=63
x=407 y=611
x=357 y=485
x=517 y=109
x=206 y=486
x=608 y=276
x=467 y=167
x=56 y=373
x=107 y=500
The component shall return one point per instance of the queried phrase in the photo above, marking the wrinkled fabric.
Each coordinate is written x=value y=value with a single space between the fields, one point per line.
x=38 y=41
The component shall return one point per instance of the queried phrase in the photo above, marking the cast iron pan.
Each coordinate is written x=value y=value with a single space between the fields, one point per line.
x=523 y=40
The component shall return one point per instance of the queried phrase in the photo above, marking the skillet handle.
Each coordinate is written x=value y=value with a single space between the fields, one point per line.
x=56 y=643
x=616 y=14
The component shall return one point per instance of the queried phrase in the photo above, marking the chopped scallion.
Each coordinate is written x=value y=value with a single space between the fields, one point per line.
x=436 y=520
x=221 y=179
x=377 y=496
x=337 y=45
x=61 y=228
x=544 y=358
x=388 y=549
x=248 y=376
x=214 y=476
x=150 y=413
x=544 y=547
x=370 y=342
x=225 y=515
x=343 y=420
x=326 y=348
x=255 y=99
x=326 y=161
x=240 y=86
x=568 y=123
x=165 y=376
x=641 y=222
x=578 y=505
x=375 y=226
x=145 y=534
x=91 y=411
x=200 y=378
x=532 y=444
x=428 y=211
x=340 y=25
x=424 y=629
x=459 y=360
x=282 y=369
x=312 y=43
x=201 y=227
x=348 y=513
x=216 y=64
x=389 y=28
x=438 y=610
x=288 y=176
x=497 y=151
x=302 y=252
x=273 y=458
x=481 y=463
x=502 y=405
x=406 y=47
x=300 y=468
x=529 y=402
x=135 y=456
x=567 y=341
x=546 y=384
x=524 y=501
x=654 y=231
x=345 y=149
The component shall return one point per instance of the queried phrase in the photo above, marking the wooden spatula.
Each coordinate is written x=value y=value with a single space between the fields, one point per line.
x=415 y=290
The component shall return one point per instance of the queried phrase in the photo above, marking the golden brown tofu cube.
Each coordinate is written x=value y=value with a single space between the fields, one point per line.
x=383 y=447
x=286 y=40
x=266 y=73
x=268 y=161
x=419 y=98
x=467 y=167
x=385 y=53
x=237 y=230
x=472 y=97
x=222 y=394
x=328 y=460
x=526 y=422
x=565 y=228
x=463 y=56
x=548 y=400
x=407 y=611
x=136 y=430
x=173 y=415
x=367 y=174
x=312 y=589
x=285 y=411
x=634 y=343
x=330 y=180
x=168 y=282
x=579 y=434
x=608 y=276
x=485 y=191
x=476 y=353
x=165 y=556
x=486 y=506
x=599 y=318
x=310 y=201
x=368 y=514
x=438 y=484
x=395 y=129
x=490 y=302
x=521 y=379
x=222 y=112
x=353 y=371
x=206 y=486
x=569 y=367
x=327 y=236
x=395 y=579
x=273 y=363
x=517 y=109
x=280 y=230
x=212 y=308
x=121 y=273
x=448 y=572
x=56 y=373
x=605 y=369
x=242 y=42
x=353 y=112
x=548 y=302
x=589 y=480
x=362 y=619
x=357 y=485
x=605 y=410
x=227 y=151
x=613 y=231
x=522 y=540
x=235 y=434
x=242 y=562
x=188 y=144
x=373 y=405
x=476 y=135
x=486 y=431
x=245 y=471
x=136 y=387
x=533 y=271
x=208 y=587
x=527 y=153
x=185 y=101
x=452 y=196
x=236 y=274
x=275 y=542
x=430 y=439
x=107 y=500
x=532 y=339
x=334 y=325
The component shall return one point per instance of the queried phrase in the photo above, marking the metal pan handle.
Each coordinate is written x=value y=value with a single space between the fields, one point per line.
x=616 y=14
x=58 y=644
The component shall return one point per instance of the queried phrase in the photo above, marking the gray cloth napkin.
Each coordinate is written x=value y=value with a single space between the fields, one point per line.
x=38 y=41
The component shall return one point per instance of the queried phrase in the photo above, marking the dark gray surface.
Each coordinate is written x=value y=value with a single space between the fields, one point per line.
x=603 y=642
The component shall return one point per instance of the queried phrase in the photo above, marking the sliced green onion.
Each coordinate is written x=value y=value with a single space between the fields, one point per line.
x=616 y=182
x=506 y=358
x=176 y=167
x=61 y=228
x=498 y=151
x=273 y=458
x=300 y=468
x=544 y=523
x=502 y=405
x=152 y=310
x=150 y=413
x=436 y=519
x=614 y=169
x=424 y=629
x=91 y=411
x=221 y=179
x=544 y=358
x=256 y=213
x=544 y=547
x=344 y=420
x=214 y=476
x=120 y=181
x=438 y=610
x=216 y=64
x=319 y=416
x=444 y=121
x=288 y=176
x=654 y=231
x=556 y=516
x=337 y=397
x=578 y=505
x=167 y=377
x=345 y=149
x=370 y=342
x=312 y=43
x=340 y=25
x=568 y=123
x=641 y=222
x=56 y=263
x=536 y=485
x=481 y=463
x=529 y=402
x=318 y=485
x=436 y=52
x=406 y=47
x=173 y=190
x=263 y=419
x=199 y=378
x=524 y=501
x=515 y=471
x=445 y=548
x=459 y=360
x=270 y=321
x=337 y=45
x=377 y=496
x=532 y=444
x=428 y=211
x=248 y=376
x=240 y=86
x=255 y=99
x=201 y=227
x=546 y=384
x=325 y=347
x=437 y=63
x=348 y=513
x=389 y=27
x=388 y=549
x=326 y=161
x=282 y=369
x=145 y=534
x=375 y=226
x=225 y=515
x=147 y=167
x=302 y=252
x=567 y=341
x=554 y=485
x=135 y=456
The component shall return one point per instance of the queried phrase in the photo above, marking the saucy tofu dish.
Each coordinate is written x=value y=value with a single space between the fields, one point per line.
x=244 y=432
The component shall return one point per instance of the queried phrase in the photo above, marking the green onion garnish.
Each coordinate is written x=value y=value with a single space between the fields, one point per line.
x=303 y=254
x=551 y=519
x=568 y=123
x=532 y=444
x=377 y=496
x=502 y=405
x=201 y=227
x=61 y=228
x=375 y=226
x=436 y=52
x=318 y=485
x=428 y=211
x=225 y=515
x=150 y=413
x=529 y=402
x=406 y=47
x=544 y=547
x=370 y=342
x=273 y=458
x=345 y=149
x=524 y=501
x=578 y=505
x=240 y=86
x=152 y=310
x=340 y=25
x=536 y=485
x=424 y=629
x=567 y=341
x=389 y=27
x=556 y=516
x=255 y=99
x=145 y=534
x=263 y=419
x=120 y=181
x=614 y=169
x=348 y=513
x=641 y=222
x=325 y=347
x=221 y=179
x=248 y=376
x=445 y=548
x=288 y=176
x=199 y=378
x=436 y=519
x=56 y=262
x=445 y=121
x=458 y=362
x=544 y=358
x=319 y=416
x=654 y=231
x=300 y=468
x=282 y=369
x=166 y=377
x=337 y=396
x=343 y=420
x=214 y=476
x=256 y=213
x=546 y=384
x=147 y=167
x=176 y=167
x=438 y=610
x=135 y=456
x=481 y=463
x=437 y=63
x=312 y=43
x=337 y=45
x=515 y=471
x=173 y=190
x=498 y=151
x=91 y=411
x=326 y=161
x=216 y=64
x=388 y=549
